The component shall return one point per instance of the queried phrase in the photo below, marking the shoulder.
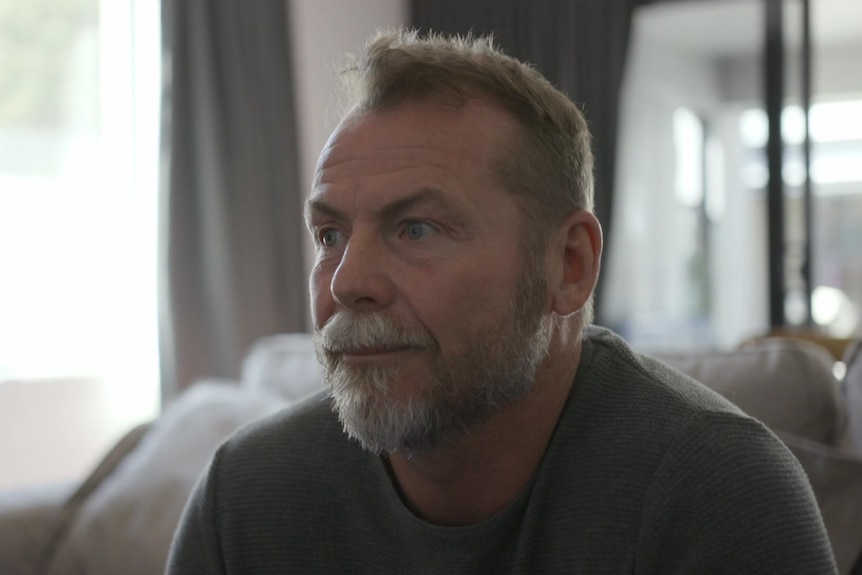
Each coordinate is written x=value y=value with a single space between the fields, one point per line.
x=304 y=428
x=628 y=412
x=274 y=487
x=728 y=492
x=718 y=487
x=291 y=464
x=614 y=378
x=310 y=419
x=300 y=444
x=740 y=450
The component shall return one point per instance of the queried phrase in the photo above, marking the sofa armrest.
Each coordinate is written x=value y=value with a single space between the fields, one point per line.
x=835 y=476
x=27 y=520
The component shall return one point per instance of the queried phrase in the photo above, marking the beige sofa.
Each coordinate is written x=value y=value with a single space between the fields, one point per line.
x=121 y=519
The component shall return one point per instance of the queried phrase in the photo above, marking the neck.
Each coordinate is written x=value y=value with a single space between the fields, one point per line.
x=474 y=479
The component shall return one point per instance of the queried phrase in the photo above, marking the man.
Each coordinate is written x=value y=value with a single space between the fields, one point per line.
x=473 y=423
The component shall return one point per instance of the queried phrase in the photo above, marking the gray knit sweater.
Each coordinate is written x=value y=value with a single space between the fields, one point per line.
x=647 y=472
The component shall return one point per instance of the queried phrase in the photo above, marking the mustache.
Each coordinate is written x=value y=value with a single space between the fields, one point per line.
x=347 y=331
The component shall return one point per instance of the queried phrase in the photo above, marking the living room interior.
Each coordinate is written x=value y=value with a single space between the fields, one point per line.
x=120 y=300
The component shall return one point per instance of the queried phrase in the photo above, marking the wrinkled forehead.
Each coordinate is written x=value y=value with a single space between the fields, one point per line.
x=476 y=131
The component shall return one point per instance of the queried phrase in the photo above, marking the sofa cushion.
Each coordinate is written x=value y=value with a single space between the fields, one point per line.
x=69 y=510
x=283 y=364
x=787 y=384
x=127 y=523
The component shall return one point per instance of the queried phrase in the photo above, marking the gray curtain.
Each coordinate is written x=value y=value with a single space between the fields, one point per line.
x=231 y=266
x=579 y=45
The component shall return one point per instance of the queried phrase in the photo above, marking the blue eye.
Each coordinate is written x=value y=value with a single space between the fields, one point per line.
x=417 y=230
x=328 y=237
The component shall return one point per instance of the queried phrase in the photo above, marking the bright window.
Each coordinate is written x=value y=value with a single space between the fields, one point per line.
x=835 y=128
x=836 y=176
x=79 y=120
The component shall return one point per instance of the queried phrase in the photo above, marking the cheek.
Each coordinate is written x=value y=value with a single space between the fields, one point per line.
x=465 y=304
x=487 y=305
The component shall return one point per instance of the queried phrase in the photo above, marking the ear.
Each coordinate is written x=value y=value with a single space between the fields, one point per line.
x=575 y=253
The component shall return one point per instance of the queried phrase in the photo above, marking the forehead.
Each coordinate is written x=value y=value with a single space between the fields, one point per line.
x=414 y=138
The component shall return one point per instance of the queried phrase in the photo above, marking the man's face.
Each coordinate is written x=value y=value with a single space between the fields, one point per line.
x=428 y=320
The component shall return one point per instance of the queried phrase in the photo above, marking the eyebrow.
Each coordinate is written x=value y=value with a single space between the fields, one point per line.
x=315 y=205
x=391 y=211
x=423 y=197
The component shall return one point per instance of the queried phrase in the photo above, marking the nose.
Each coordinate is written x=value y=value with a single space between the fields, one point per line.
x=361 y=281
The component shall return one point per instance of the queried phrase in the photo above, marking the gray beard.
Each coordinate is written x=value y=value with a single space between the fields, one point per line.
x=497 y=368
